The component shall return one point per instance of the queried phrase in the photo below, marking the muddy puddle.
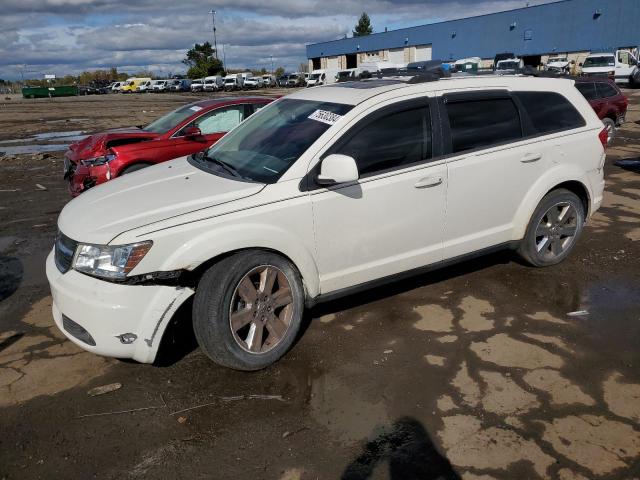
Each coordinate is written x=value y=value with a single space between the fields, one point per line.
x=56 y=142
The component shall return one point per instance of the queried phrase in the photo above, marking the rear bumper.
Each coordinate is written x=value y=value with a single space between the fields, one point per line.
x=106 y=311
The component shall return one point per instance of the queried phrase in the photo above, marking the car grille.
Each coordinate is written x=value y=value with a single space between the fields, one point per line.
x=65 y=248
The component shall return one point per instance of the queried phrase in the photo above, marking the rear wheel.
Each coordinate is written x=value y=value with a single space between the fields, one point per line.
x=610 y=125
x=553 y=229
x=248 y=310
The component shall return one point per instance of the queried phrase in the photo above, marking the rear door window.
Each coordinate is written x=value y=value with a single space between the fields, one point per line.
x=550 y=111
x=391 y=141
x=588 y=90
x=481 y=123
x=605 y=90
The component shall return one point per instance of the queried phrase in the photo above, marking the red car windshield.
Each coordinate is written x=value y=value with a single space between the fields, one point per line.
x=172 y=119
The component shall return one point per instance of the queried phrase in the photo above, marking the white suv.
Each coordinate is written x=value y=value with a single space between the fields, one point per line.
x=323 y=192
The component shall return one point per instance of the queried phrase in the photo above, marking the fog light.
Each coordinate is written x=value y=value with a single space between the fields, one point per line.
x=127 y=338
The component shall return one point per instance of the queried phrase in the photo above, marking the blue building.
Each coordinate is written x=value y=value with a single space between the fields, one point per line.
x=571 y=28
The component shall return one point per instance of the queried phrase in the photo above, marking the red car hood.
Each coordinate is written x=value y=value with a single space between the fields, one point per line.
x=97 y=144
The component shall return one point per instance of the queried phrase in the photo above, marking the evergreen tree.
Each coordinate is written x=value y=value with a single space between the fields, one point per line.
x=364 y=26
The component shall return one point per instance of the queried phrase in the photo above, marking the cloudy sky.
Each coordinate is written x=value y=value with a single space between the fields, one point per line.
x=69 y=36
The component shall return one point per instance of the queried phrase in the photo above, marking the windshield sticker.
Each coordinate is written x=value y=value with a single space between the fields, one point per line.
x=325 y=117
x=196 y=108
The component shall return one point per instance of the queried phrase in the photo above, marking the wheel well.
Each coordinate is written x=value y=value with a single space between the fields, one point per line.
x=579 y=190
x=196 y=274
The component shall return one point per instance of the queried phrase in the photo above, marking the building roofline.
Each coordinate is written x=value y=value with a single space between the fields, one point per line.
x=446 y=21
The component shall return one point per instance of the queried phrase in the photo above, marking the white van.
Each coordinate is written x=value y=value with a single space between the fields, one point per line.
x=197 y=85
x=509 y=66
x=268 y=80
x=621 y=66
x=213 y=83
x=322 y=77
x=232 y=82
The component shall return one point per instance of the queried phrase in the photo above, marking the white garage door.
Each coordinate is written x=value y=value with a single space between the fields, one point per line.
x=396 y=55
x=333 y=63
x=423 y=53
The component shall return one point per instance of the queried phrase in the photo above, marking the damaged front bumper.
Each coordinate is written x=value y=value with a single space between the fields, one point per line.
x=110 y=319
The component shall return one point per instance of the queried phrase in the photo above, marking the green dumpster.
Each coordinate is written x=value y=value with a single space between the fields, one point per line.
x=46 y=92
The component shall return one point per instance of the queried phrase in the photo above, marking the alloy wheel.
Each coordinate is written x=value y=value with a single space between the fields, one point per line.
x=261 y=309
x=557 y=230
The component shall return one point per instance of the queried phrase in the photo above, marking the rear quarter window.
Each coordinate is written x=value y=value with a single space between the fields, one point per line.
x=588 y=90
x=550 y=111
x=483 y=123
x=605 y=90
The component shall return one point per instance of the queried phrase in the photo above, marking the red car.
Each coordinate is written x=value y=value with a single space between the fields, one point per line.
x=607 y=100
x=188 y=129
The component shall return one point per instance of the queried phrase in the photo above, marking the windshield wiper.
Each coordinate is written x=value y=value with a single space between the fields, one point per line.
x=225 y=166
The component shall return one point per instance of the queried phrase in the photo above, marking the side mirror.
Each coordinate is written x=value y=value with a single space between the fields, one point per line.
x=337 y=168
x=192 y=132
x=580 y=64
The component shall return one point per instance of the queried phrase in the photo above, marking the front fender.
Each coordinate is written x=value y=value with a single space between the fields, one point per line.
x=198 y=250
x=558 y=174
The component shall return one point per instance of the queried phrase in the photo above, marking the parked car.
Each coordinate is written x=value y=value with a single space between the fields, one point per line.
x=324 y=76
x=347 y=75
x=608 y=101
x=509 y=66
x=558 y=65
x=232 y=82
x=324 y=192
x=282 y=80
x=160 y=86
x=268 y=80
x=116 y=86
x=131 y=84
x=197 y=85
x=179 y=85
x=252 y=83
x=144 y=87
x=213 y=83
x=620 y=66
x=188 y=129
x=294 y=80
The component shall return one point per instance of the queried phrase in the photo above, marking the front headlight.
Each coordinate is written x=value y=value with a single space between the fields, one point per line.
x=110 y=262
x=97 y=161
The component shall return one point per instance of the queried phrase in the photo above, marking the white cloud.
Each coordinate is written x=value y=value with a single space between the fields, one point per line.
x=68 y=36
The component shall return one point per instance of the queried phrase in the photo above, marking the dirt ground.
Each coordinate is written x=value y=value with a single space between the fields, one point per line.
x=474 y=372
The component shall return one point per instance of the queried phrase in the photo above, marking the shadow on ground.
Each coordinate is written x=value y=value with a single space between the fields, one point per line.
x=409 y=451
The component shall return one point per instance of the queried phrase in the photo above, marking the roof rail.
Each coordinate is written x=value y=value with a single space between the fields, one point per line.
x=416 y=72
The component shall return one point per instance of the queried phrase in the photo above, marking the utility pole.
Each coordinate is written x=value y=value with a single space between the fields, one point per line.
x=215 y=42
x=271 y=63
x=224 y=57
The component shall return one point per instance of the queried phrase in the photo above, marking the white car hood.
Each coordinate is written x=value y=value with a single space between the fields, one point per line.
x=147 y=196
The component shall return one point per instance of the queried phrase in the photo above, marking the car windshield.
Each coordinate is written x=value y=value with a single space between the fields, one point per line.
x=555 y=60
x=603 y=61
x=315 y=76
x=507 y=65
x=170 y=120
x=262 y=148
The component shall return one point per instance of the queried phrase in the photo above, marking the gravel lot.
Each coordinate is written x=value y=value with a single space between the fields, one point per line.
x=473 y=372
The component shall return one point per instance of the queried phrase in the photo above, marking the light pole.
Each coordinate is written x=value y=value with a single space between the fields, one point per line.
x=215 y=42
x=224 y=57
x=271 y=63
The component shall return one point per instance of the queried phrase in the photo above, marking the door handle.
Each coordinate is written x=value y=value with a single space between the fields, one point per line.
x=531 y=157
x=428 y=182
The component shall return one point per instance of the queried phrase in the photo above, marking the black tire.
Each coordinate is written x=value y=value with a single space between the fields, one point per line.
x=610 y=125
x=134 y=168
x=213 y=305
x=529 y=245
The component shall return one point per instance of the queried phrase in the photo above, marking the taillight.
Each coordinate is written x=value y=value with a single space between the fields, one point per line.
x=604 y=138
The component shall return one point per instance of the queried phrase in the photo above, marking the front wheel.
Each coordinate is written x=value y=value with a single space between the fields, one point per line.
x=248 y=310
x=553 y=229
